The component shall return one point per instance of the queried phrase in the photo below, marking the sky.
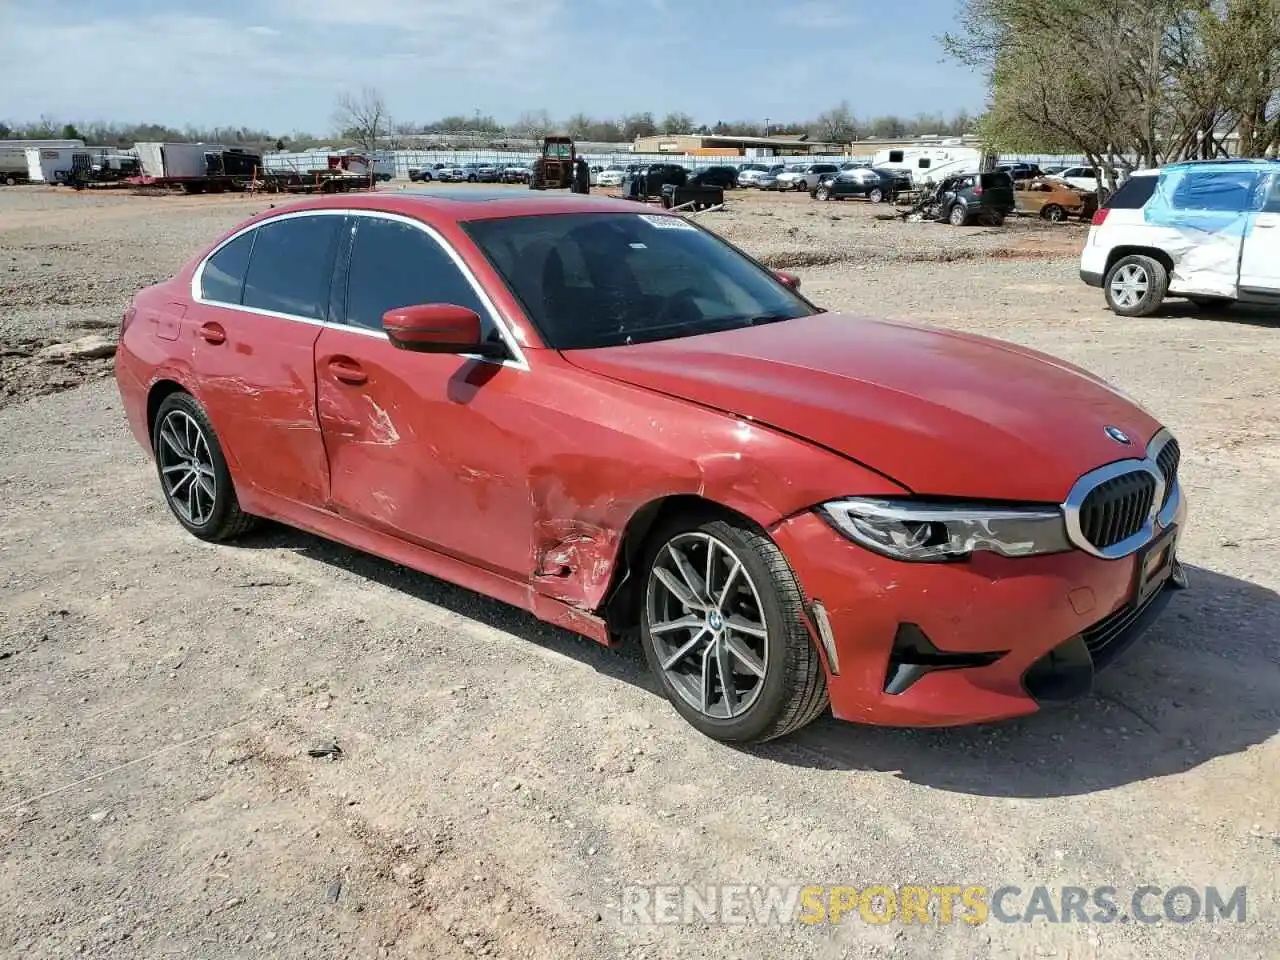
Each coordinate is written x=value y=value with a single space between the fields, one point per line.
x=281 y=64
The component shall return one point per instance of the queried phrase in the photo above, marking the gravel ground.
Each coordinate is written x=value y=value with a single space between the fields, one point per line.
x=501 y=781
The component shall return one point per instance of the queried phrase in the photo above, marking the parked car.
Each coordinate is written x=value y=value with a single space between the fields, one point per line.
x=1082 y=178
x=1205 y=231
x=725 y=177
x=753 y=174
x=1021 y=171
x=451 y=173
x=426 y=174
x=480 y=172
x=805 y=176
x=974 y=198
x=875 y=184
x=1052 y=200
x=611 y=176
x=886 y=517
x=517 y=173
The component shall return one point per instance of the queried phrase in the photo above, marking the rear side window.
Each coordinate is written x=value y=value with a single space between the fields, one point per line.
x=395 y=264
x=1214 y=191
x=292 y=265
x=1133 y=194
x=222 y=280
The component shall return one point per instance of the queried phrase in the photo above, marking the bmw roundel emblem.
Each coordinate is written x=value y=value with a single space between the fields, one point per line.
x=1116 y=434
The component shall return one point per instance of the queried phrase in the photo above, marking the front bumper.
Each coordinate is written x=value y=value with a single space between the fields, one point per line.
x=987 y=639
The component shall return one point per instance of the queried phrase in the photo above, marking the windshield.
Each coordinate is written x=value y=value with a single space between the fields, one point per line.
x=610 y=279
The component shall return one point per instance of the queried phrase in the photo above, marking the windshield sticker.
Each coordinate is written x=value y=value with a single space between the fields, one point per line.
x=667 y=222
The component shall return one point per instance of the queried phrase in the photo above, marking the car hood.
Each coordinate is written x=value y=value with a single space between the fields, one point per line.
x=940 y=412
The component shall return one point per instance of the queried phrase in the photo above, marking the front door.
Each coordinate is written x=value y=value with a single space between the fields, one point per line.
x=254 y=327
x=1260 y=255
x=420 y=445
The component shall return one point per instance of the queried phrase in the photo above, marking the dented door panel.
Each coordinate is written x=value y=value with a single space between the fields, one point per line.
x=535 y=473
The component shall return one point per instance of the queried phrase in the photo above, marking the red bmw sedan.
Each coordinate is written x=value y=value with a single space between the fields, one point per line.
x=616 y=420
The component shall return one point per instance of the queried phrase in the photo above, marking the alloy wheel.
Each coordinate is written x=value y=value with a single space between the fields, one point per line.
x=707 y=625
x=875 y=196
x=186 y=468
x=1129 y=285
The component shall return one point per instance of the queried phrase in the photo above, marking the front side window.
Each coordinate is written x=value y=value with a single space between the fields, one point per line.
x=222 y=279
x=395 y=264
x=610 y=279
x=292 y=266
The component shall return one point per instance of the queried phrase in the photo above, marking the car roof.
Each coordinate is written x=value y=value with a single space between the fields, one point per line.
x=469 y=203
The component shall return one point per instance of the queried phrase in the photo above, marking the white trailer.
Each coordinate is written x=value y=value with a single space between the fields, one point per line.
x=175 y=161
x=929 y=164
x=55 y=164
x=13 y=166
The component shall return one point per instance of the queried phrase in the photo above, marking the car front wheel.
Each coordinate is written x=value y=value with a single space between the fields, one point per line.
x=193 y=472
x=876 y=195
x=1136 y=285
x=723 y=628
x=958 y=216
x=823 y=193
x=1054 y=213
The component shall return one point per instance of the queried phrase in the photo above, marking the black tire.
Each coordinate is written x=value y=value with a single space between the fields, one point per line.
x=822 y=193
x=1155 y=280
x=793 y=690
x=10 y=181
x=876 y=195
x=958 y=216
x=801 y=185
x=224 y=519
x=1212 y=303
x=1053 y=213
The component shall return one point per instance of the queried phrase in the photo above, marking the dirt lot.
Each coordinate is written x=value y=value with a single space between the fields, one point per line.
x=500 y=781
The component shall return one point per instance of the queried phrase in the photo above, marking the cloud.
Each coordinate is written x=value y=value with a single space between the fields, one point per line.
x=817 y=15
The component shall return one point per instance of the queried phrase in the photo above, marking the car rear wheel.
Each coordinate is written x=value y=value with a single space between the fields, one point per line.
x=723 y=629
x=958 y=215
x=876 y=195
x=1053 y=213
x=1136 y=285
x=193 y=472
x=823 y=193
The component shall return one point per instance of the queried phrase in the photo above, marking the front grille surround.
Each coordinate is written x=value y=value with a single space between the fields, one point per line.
x=1120 y=507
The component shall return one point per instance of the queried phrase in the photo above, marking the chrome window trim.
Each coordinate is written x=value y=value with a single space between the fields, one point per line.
x=1157 y=520
x=518 y=359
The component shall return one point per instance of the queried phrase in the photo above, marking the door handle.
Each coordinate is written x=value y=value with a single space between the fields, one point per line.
x=348 y=371
x=212 y=333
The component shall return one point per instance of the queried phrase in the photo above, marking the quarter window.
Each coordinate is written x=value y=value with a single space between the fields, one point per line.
x=395 y=264
x=222 y=280
x=292 y=265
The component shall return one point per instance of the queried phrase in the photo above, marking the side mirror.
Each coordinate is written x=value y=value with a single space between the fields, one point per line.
x=437 y=328
x=788 y=280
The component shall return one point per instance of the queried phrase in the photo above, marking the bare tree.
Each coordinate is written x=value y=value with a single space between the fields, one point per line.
x=836 y=125
x=363 y=118
x=532 y=125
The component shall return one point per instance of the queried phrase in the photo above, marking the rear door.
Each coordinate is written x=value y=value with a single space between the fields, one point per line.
x=1260 y=254
x=259 y=308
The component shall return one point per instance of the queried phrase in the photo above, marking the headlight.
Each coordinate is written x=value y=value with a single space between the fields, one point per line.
x=917 y=530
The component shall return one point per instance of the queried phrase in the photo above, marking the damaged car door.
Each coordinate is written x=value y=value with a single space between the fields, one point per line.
x=420 y=445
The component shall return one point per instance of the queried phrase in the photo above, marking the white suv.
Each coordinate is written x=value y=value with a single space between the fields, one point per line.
x=800 y=177
x=1208 y=231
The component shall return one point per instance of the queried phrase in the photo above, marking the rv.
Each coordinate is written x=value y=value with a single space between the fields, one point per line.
x=932 y=163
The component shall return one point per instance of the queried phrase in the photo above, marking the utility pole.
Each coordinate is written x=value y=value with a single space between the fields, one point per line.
x=766 y=126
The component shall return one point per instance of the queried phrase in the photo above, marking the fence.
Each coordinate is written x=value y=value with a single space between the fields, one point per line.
x=400 y=162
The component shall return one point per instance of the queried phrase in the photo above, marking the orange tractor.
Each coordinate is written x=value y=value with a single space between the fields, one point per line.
x=555 y=167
